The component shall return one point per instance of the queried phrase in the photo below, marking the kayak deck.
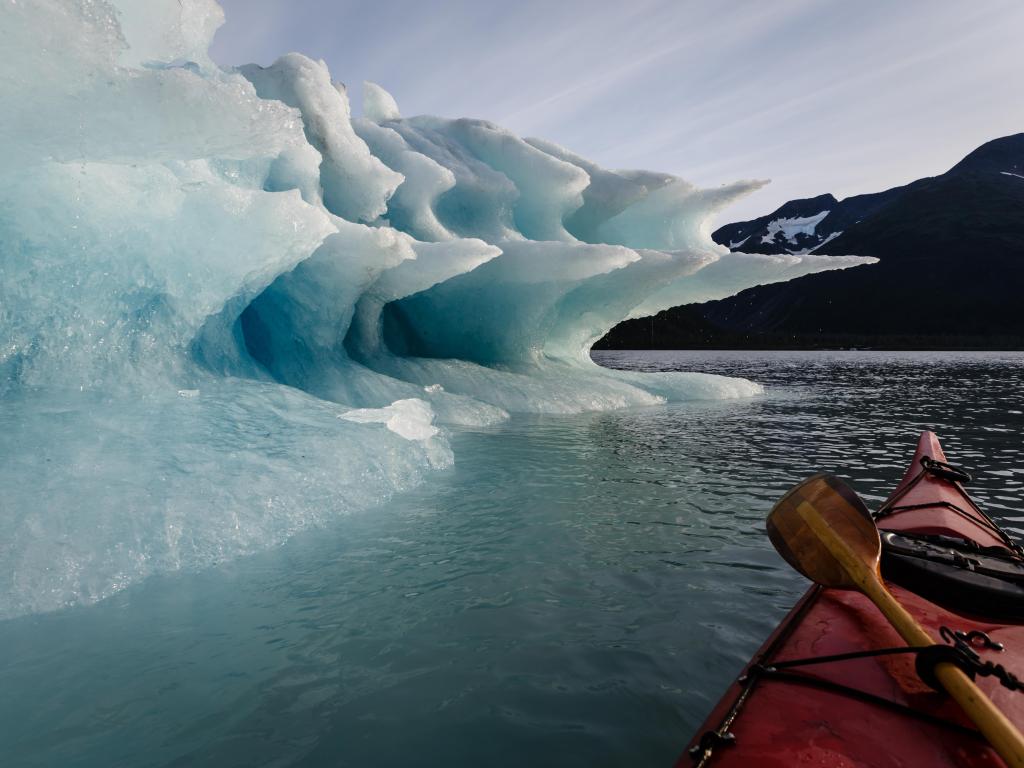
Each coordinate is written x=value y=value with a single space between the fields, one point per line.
x=927 y=503
x=869 y=711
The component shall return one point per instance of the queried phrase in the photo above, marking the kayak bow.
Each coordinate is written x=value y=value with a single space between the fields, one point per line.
x=835 y=685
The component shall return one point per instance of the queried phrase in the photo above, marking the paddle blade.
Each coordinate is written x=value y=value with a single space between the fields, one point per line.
x=806 y=523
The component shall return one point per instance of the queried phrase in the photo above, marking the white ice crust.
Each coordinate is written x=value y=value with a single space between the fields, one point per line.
x=379 y=106
x=230 y=311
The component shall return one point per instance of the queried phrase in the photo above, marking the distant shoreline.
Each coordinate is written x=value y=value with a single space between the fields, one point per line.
x=683 y=329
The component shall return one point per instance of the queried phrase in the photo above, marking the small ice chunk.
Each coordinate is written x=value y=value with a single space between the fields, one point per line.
x=412 y=419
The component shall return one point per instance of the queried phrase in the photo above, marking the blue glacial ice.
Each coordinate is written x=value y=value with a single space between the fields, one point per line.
x=231 y=311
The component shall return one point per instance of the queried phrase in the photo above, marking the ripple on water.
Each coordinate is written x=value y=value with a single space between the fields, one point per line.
x=577 y=589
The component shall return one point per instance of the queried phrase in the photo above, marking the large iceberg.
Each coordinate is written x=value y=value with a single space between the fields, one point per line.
x=230 y=310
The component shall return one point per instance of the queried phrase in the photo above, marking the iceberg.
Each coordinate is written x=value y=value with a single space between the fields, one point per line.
x=230 y=310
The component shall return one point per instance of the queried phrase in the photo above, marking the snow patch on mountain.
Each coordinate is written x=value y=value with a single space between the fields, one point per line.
x=790 y=228
x=804 y=251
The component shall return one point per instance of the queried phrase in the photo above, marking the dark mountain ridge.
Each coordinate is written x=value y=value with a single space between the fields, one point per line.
x=950 y=275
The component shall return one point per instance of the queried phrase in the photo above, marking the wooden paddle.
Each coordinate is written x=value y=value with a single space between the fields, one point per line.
x=822 y=528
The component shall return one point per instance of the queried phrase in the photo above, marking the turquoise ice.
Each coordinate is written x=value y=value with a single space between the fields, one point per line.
x=229 y=310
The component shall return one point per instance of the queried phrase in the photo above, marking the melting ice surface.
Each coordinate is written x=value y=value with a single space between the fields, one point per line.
x=230 y=310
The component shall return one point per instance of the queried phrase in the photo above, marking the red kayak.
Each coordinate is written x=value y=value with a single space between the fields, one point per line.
x=959 y=575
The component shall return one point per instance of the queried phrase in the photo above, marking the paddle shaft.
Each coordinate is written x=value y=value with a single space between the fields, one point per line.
x=993 y=724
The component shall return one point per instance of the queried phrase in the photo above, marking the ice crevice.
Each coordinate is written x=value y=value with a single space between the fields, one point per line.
x=231 y=310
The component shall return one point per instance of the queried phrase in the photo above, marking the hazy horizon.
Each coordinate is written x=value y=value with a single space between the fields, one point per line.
x=818 y=97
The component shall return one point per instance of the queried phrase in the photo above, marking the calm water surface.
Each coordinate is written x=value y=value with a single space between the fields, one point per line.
x=577 y=591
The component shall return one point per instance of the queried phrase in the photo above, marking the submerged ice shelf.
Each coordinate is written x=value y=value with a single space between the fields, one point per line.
x=230 y=310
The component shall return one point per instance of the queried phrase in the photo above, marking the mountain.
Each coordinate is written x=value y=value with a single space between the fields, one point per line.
x=802 y=226
x=950 y=275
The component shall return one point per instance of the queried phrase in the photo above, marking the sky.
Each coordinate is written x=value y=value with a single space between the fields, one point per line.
x=816 y=95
